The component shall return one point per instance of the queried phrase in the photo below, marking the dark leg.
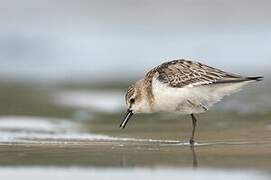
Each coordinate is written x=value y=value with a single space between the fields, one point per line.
x=194 y=123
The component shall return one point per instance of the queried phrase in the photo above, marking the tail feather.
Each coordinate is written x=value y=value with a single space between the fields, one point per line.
x=238 y=80
x=258 y=78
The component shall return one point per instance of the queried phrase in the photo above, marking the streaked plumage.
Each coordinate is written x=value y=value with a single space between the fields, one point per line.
x=181 y=73
x=182 y=86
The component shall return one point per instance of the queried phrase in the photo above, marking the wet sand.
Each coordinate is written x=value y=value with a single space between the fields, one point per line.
x=140 y=153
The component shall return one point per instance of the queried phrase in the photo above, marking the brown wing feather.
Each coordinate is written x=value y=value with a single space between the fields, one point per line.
x=180 y=73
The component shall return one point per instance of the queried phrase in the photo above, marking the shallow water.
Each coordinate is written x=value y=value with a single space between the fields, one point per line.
x=74 y=133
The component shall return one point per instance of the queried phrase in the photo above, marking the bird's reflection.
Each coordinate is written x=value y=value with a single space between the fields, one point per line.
x=194 y=156
x=128 y=159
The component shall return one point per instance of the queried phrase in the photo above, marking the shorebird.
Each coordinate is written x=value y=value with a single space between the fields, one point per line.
x=182 y=86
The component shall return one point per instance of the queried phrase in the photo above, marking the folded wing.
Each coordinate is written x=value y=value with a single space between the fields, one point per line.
x=181 y=73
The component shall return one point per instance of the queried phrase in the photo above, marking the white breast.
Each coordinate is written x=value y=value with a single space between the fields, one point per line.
x=190 y=99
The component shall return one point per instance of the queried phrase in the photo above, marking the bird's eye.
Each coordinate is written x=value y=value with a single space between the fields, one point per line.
x=132 y=101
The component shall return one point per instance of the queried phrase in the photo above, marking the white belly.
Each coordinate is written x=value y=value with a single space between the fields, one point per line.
x=188 y=100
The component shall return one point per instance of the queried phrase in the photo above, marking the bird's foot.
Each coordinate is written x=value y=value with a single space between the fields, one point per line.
x=192 y=142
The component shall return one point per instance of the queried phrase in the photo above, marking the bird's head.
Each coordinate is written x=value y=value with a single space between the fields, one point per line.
x=136 y=101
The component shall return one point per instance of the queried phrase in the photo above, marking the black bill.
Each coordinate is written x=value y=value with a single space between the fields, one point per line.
x=128 y=115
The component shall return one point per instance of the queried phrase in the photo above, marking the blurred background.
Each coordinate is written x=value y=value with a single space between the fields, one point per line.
x=108 y=40
x=65 y=67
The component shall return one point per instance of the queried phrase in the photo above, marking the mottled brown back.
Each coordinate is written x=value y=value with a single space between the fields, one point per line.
x=180 y=73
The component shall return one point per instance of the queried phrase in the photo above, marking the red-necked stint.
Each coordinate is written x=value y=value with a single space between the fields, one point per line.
x=182 y=86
